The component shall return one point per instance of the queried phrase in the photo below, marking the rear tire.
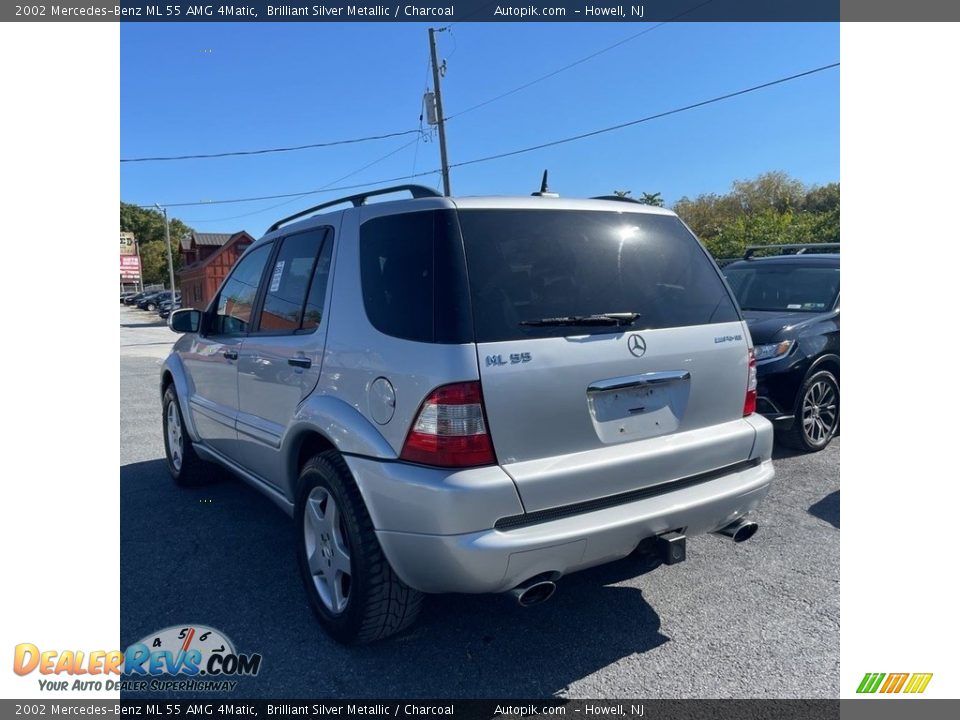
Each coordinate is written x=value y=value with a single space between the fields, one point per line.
x=185 y=466
x=351 y=587
x=151 y=307
x=817 y=418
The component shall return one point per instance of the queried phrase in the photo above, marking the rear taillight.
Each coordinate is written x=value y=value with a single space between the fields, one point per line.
x=750 y=401
x=450 y=430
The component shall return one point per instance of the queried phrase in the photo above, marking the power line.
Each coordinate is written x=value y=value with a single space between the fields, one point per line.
x=266 y=151
x=322 y=189
x=302 y=193
x=510 y=153
x=582 y=60
x=351 y=141
x=667 y=113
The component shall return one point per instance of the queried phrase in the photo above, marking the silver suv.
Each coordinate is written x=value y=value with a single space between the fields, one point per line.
x=472 y=395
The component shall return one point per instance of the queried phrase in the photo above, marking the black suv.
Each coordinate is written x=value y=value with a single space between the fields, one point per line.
x=791 y=302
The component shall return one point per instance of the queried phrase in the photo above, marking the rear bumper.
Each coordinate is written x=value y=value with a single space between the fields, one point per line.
x=495 y=561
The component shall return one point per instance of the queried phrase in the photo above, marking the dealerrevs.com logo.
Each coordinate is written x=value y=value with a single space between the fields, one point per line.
x=178 y=658
x=910 y=683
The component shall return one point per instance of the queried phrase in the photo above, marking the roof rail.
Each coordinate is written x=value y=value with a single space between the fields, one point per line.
x=792 y=249
x=416 y=191
x=621 y=198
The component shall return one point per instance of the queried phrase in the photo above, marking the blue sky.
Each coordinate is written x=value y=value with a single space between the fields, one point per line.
x=190 y=88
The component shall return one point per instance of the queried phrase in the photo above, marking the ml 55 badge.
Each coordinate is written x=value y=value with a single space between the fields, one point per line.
x=192 y=652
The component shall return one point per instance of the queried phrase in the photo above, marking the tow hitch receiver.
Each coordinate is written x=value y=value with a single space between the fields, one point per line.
x=671 y=548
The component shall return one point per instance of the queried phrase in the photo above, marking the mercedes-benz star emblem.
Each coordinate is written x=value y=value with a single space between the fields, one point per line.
x=636 y=345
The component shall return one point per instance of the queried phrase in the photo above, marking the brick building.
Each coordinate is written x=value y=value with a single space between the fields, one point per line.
x=207 y=258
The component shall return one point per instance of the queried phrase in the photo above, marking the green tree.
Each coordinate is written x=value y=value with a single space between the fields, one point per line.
x=770 y=209
x=775 y=190
x=651 y=199
x=153 y=255
x=148 y=227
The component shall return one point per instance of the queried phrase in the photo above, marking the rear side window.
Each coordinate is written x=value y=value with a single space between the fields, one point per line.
x=527 y=265
x=313 y=310
x=289 y=282
x=413 y=276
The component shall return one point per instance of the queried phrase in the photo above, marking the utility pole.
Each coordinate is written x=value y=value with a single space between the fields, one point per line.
x=136 y=244
x=166 y=225
x=444 y=166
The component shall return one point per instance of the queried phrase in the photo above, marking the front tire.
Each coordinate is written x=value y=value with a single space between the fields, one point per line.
x=351 y=587
x=185 y=466
x=817 y=418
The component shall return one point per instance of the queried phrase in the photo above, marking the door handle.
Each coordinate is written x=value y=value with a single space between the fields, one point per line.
x=230 y=354
x=300 y=362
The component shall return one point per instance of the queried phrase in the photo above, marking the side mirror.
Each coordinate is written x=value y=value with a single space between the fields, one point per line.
x=185 y=321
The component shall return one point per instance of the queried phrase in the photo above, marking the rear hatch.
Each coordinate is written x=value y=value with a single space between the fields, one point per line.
x=611 y=354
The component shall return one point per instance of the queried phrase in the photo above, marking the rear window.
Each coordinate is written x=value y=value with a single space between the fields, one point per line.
x=526 y=265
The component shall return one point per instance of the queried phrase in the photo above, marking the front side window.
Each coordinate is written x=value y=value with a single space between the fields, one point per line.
x=235 y=302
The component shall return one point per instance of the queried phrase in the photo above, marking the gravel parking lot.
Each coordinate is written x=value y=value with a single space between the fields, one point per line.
x=760 y=619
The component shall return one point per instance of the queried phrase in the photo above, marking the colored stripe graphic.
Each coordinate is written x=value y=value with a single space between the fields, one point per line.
x=870 y=682
x=918 y=682
x=894 y=682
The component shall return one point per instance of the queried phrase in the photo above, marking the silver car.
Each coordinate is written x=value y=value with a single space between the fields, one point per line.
x=472 y=395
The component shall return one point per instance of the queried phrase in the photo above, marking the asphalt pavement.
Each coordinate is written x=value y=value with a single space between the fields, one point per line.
x=760 y=619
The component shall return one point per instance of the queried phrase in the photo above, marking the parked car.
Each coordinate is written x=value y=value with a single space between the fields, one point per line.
x=135 y=298
x=168 y=300
x=152 y=301
x=472 y=395
x=792 y=305
x=168 y=306
x=124 y=296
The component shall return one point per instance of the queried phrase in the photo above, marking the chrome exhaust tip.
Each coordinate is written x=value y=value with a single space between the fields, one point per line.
x=739 y=530
x=533 y=593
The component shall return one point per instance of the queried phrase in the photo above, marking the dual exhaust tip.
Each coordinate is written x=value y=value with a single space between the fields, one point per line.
x=739 y=530
x=671 y=547
x=534 y=591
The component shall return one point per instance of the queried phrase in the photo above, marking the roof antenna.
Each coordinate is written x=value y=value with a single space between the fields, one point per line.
x=544 y=192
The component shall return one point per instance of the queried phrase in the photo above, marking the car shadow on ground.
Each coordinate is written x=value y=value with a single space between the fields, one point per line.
x=223 y=556
x=828 y=509
x=157 y=323
x=781 y=452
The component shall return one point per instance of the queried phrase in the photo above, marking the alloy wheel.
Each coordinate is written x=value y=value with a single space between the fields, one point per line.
x=174 y=436
x=820 y=412
x=328 y=552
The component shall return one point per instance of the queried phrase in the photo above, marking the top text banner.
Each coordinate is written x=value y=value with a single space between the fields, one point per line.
x=441 y=12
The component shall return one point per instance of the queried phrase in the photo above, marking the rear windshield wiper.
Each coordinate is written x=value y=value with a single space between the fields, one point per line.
x=601 y=319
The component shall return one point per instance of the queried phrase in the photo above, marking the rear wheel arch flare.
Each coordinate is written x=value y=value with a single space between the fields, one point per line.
x=305 y=446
